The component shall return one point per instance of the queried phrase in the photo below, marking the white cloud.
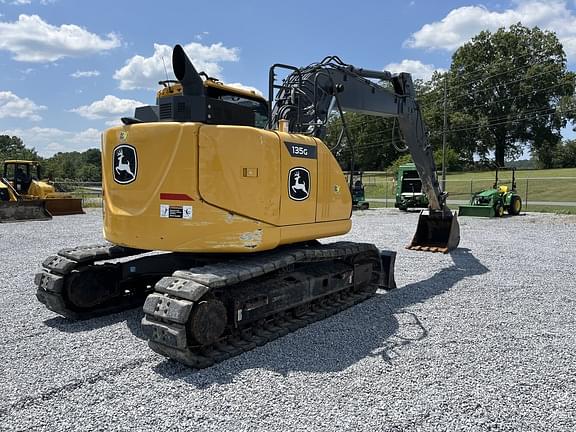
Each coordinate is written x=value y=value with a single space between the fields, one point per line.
x=414 y=67
x=109 y=108
x=26 y=2
x=12 y=105
x=461 y=24
x=30 y=39
x=48 y=141
x=85 y=74
x=144 y=72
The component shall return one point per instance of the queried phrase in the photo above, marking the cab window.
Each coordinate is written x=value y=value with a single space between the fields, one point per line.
x=258 y=107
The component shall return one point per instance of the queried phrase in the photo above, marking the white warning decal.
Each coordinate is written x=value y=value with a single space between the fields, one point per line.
x=175 y=212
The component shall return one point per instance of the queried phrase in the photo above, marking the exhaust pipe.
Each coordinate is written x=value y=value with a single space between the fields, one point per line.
x=186 y=73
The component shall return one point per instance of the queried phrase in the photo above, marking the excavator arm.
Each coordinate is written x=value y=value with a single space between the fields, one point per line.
x=308 y=95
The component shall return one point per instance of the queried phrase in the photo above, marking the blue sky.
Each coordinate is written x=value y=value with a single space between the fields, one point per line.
x=71 y=68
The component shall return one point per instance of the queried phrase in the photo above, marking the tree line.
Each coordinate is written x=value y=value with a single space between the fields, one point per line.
x=505 y=94
x=75 y=166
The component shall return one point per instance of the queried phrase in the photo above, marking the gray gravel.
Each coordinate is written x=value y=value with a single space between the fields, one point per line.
x=482 y=339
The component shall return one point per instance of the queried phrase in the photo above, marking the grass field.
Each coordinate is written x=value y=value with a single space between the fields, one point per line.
x=532 y=185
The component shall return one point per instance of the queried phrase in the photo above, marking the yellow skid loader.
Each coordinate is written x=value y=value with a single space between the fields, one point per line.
x=23 y=177
x=237 y=189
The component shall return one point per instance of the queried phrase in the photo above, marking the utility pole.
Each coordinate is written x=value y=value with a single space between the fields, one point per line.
x=444 y=136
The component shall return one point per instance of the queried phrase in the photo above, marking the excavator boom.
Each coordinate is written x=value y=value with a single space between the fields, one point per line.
x=308 y=95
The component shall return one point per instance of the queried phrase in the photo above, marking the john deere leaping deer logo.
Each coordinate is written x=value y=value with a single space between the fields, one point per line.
x=299 y=184
x=125 y=164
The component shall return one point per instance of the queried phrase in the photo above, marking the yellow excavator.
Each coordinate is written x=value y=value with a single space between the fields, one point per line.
x=24 y=195
x=237 y=190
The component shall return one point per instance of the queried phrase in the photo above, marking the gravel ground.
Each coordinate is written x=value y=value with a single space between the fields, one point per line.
x=481 y=339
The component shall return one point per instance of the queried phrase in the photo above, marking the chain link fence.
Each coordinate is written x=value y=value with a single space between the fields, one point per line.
x=537 y=193
x=89 y=192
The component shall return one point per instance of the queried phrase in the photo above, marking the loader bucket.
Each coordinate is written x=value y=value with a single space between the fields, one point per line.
x=436 y=232
x=64 y=206
x=15 y=211
x=476 y=210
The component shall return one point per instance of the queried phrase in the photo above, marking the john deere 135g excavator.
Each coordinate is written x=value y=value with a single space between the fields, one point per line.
x=238 y=190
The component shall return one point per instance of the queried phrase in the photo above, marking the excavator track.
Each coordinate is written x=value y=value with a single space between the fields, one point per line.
x=65 y=270
x=207 y=314
x=82 y=283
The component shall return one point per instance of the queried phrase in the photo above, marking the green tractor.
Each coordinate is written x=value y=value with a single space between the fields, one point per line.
x=357 y=190
x=495 y=201
x=409 y=188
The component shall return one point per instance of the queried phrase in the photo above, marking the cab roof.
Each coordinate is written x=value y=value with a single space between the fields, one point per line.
x=233 y=89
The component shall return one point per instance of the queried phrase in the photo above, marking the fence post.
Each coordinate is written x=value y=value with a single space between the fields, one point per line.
x=526 y=196
x=386 y=190
x=471 y=190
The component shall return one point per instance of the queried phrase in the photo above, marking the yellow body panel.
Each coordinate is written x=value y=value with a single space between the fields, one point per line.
x=239 y=170
x=334 y=200
x=207 y=188
x=297 y=212
x=42 y=190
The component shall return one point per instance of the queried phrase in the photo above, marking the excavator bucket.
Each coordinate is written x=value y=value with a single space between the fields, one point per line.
x=64 y=206
x=29 y=210
x=436 y=232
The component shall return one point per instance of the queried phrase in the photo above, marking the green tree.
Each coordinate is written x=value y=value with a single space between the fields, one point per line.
x=69 y=169
x=374 y=141
x=565 y=156
x=459 y=138
x=453 y=161
x=85 y=166
x=508 y=90
x=14 y=148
